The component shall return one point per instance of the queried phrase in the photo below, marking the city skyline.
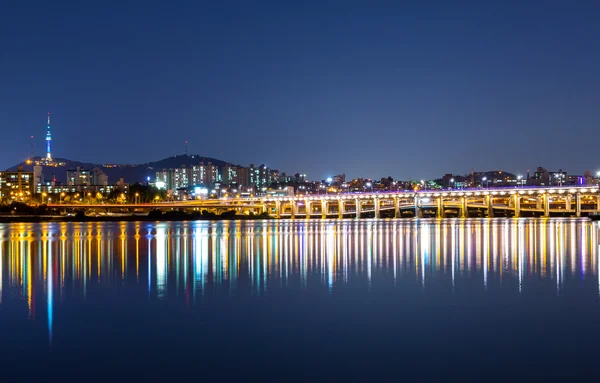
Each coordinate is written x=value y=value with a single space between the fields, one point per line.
x=47 y=160
x=402 y=91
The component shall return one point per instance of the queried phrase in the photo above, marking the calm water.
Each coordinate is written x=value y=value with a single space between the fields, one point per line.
x=352 y=300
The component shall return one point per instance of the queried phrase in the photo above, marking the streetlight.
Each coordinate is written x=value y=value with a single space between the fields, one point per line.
x=136 y=197
x=451 y=183
x=43 y=195
x=369 y=185
x=61 y=197
x=484 y=179
x=519 y=177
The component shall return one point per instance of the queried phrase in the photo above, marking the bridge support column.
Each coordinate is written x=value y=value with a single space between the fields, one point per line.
x=308 y=208
x=376 y=205
x=324 y=207
x=517 y=205
x=490 y=206
x=396 y=207
x=341 y=208
x=538 y=202
x=294 y=207
x=578 y=205
x=278 y=209
x=464 y=209
x=568 y=203
x=546 y=205
x=440 y=207
x=418 y=211
x=357 y=204
x=264 y=207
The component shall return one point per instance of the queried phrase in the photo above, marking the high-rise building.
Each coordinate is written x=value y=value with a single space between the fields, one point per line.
x=79 y=177
x=198 y=175
x=230 y=175
x=181 y=177
x=189 y=176
x=16 y=186
x=99 y=178
x=164 y=179
x=38 y=175
x=260 y=177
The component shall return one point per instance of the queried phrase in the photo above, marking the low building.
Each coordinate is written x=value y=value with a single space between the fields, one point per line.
x=543 y=177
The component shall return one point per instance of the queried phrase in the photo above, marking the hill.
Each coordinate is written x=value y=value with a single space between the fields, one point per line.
x=130 y=173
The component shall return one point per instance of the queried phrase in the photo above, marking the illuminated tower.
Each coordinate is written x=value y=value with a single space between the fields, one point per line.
x=48 y=141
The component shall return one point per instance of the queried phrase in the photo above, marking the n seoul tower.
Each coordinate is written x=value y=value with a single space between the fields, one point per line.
x=48 y=141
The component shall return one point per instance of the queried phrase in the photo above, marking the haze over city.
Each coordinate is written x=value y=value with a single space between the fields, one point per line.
x=408 y=90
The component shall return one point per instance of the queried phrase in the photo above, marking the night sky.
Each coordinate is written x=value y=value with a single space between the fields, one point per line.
x=369 y=88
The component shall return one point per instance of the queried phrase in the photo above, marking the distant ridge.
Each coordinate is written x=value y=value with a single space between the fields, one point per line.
x=131 y=173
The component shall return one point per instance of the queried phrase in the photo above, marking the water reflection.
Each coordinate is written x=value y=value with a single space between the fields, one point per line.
x=40 y=262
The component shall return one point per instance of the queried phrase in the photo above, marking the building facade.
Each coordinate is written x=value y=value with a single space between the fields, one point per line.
x=16 y=186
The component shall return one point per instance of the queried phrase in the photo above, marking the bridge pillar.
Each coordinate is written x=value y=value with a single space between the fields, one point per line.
x=264 y=207
x=546 y=205
x=440 y=207
x=517 y=205
x=396 y=207
x=357 y=204
x=294 y=207
x=568 y=203
x=341 y=208
x=308 y=208
x=376 y=205
x=418 y=211
x=278 y=209
x=490 y=206
x=324 y=207
x=578 y=205
x=464 y=209
x=538 y=202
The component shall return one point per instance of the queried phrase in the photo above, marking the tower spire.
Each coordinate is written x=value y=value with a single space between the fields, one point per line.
x=48 y=141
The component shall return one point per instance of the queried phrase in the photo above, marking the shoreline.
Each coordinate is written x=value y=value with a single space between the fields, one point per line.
x=133 y=218
x=40 y=219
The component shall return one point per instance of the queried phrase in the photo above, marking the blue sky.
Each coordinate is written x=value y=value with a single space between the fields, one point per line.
x=367 y=88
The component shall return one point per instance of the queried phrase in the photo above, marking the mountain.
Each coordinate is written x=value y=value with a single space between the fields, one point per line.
x=130 y=173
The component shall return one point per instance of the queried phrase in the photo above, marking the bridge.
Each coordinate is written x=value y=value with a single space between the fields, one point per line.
x=574 y=201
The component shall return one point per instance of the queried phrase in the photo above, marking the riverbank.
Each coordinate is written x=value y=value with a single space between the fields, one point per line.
x=126 y=218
